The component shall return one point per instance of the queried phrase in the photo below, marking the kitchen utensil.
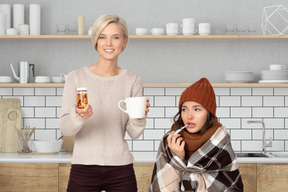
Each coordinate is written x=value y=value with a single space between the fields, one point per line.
x=50 y=146
x=178 y=130
x=24 y=70
x=42 y=79
x=5 y=79
x=27 y=132
x=10 y=122
x=239 y=76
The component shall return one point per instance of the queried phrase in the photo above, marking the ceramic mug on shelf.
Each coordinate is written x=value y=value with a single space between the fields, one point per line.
x=135 y=106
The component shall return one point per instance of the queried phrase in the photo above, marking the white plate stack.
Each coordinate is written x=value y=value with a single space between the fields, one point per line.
x=239 y=76
x=276 y=74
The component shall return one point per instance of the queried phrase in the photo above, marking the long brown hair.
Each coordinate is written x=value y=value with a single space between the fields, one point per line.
x=178 y=122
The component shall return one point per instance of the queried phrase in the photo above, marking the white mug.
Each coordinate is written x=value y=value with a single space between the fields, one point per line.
x=135 y=106
x=275 y=67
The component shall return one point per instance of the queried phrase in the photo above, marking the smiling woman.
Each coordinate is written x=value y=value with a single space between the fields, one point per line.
x=101 y=157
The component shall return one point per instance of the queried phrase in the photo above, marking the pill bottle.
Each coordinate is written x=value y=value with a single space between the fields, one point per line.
x=82 y=98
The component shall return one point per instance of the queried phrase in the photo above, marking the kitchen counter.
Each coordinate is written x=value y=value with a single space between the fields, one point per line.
x=64 y=157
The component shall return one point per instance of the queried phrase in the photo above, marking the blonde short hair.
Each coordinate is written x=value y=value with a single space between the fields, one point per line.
x=102 y=22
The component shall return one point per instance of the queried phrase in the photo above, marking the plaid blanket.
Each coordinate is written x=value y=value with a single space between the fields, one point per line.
x=212 y=168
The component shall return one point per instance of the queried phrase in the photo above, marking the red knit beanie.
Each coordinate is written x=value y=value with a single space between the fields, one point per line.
x=201 y=92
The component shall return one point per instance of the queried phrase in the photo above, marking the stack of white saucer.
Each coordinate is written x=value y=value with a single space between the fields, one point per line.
x=276 y=74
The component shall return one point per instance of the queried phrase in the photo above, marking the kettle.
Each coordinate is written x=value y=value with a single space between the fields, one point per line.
x=24 y=71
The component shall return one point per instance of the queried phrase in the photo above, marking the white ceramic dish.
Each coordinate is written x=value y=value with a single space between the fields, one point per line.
x=274 y=75
x=57 y=80
x=42 y=79
x=239 y=76
x=50 y=146
x=5 y=79
x=273 y=81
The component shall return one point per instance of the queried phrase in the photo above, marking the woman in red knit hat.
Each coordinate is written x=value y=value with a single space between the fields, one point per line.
x=200 y=157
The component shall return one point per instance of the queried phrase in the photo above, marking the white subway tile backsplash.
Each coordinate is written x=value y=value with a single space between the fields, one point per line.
x=221 y=91
x=27 y=112
x=45 y=91
x=274 y=123
x=5 y=91
x=23 y=91
x=251 y=145
x=223 y=112
x=230 y=101
x=174 y=90
x=165 y=101
x=281 y=91
x=163 y=123
x=170 y=112
x=54 y=101
x=59 y=91
x=241 y=112
x=240 y=134
x=281 y=134
x=281 y=112
x=35 y=122
x=240 y=91
x=156 y=112
x=41 y=108
x=276 y=146
x=45 y=112
x=231 y=123
x=45 y=134
x=30 y=101
x=153 y=134
x=143 y=145
x=52 y=123
x=252 y=101
x=262 y=91
x=149 y=122
x=273 y=101
x=153 y=91
x=262 y=112
x=143 y=157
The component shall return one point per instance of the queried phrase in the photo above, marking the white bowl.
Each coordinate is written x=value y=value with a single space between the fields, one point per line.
x=274 y=75
x=50 y=146
x=42 y=79
x=57 y=80
x=239 y=76
x=5 y=79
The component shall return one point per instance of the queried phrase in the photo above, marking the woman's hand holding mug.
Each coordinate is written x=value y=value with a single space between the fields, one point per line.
x=136 y=107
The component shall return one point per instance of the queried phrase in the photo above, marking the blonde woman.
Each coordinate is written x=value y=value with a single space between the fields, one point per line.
x=101 y=157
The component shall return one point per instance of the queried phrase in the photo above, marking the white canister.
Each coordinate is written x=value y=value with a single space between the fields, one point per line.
x=90 y=30
x=2 y=19
x=6 y=8
x=35 y=19
x=23 y=29
x=18 y=15
x=2 y=29
x=11 y=31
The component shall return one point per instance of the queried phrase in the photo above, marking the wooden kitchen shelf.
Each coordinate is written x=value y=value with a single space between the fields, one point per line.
x=155 y=85
x=150 y=38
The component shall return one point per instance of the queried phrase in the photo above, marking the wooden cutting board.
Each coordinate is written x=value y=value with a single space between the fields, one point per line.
x=10 y=121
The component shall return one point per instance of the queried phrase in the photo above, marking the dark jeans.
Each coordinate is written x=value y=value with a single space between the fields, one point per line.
x=94 y=178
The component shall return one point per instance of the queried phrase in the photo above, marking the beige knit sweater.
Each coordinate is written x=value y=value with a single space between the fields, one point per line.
x=100 y=139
